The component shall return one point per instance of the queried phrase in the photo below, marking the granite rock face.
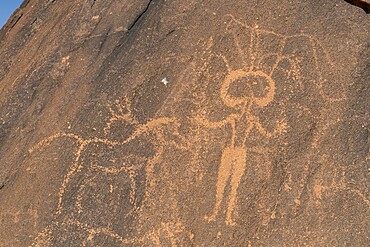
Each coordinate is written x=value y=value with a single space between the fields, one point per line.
x=185 y=123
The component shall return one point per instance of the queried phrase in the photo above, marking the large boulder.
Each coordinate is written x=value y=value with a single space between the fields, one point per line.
x=185 y=123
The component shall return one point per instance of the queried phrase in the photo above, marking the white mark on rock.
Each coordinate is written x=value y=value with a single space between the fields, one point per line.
x=164 y=81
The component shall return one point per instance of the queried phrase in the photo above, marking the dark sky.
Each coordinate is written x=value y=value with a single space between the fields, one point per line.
x=7 y=8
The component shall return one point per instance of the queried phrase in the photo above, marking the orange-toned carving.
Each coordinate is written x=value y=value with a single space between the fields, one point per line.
x=153 y=131
x=233 y=159
x=253 y=74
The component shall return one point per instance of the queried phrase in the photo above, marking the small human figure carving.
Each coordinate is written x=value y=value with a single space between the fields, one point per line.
x=233 y=158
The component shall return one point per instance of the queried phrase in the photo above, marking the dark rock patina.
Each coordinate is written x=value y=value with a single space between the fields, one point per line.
x=185 y=123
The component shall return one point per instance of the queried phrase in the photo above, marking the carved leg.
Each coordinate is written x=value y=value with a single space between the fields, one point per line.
x=237 y=174
x=224 y=173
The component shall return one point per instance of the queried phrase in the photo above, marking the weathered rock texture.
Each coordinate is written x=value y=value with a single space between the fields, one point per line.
x=185 y=123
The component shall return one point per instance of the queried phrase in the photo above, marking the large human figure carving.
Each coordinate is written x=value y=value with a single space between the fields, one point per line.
x=248 y=86
x=233 y=158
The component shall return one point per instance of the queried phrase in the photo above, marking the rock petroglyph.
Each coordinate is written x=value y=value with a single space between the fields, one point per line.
x=184 y=123
x=87 y=176
x=250 y=84
x=233 y=159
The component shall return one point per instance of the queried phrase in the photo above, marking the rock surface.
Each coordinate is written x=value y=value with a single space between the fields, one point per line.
x=185 y=123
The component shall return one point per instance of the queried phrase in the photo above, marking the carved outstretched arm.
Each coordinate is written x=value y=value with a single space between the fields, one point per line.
x=213 y=125
x=280 y=128
x=150 y=126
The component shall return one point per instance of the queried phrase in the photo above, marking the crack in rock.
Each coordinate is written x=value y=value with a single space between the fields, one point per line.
x=139 y=16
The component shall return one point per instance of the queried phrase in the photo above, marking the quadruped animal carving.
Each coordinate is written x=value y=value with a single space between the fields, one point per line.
x=87 y=174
